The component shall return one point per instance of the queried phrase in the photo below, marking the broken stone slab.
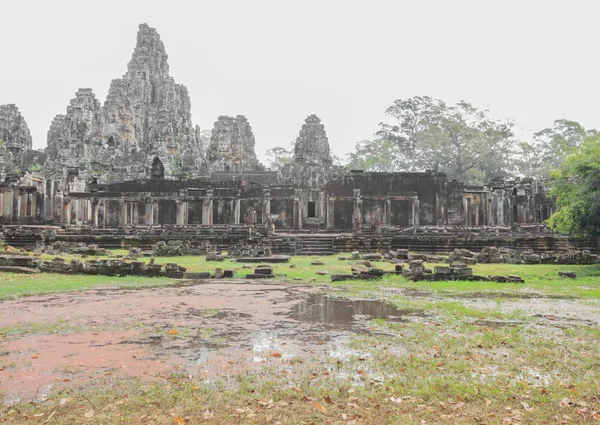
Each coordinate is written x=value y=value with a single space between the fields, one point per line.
x=375 y=272
x=259 y=276
x=414 y=264
x=342 y=277
x=317 y=263
x=355 y=255
x=137 y=268
x=323 y=273
x=359 y=268
x=367 y=276
x=214 y=257
x=19 y=261
x=18 y=269
x=399 y=267
x=468 y=261
x=264 y=271
x=228 y=273
x=197 y=275
x=247 y=266
x=442 y=270
x=415 y=257
x=273 y=259
x=374 y=256
x=568 y=274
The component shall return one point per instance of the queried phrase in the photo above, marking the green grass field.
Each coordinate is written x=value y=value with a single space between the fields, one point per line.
x=543 y=279
x=466 y=353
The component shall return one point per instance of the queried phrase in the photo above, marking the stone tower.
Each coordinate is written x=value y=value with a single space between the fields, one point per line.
x=231 y=147
x=312 y=163
x=16 y=140
x=143 y=130
x=312 y=146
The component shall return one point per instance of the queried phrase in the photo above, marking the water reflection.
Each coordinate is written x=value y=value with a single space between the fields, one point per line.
x=319 y=308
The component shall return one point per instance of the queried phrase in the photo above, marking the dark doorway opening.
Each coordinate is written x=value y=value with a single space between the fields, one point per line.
x=312 y=209
x=158 y=170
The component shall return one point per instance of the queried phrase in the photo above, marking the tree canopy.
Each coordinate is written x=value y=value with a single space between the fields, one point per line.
x=427 y=134
x=577 y=190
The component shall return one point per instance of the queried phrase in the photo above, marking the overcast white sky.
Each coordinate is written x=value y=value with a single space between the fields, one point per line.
x=278 y=61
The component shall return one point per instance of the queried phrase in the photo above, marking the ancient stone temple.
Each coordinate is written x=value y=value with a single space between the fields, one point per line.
x=114 y=171
x=143 y=130
x=311 y=165
x=231 y=148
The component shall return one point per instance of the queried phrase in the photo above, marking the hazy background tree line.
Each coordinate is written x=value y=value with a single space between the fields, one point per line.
x=466 y=143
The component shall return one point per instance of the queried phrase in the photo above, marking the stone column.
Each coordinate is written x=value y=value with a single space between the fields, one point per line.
x=330 y=214
x=207 y=208
x=28 y=205
x=236 y=211
x=181 y=217
x=122 y=213
x=297 y=214
x=67 y=212
x=95 y=213
x=357 y=216
x=266 y=205
x=388 y=212
x=135 y=213
x=150 y=212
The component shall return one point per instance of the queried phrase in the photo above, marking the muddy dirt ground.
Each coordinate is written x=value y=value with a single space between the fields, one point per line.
x=207 y=330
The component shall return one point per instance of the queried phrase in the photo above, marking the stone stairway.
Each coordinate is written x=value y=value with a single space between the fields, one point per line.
x=314 y=245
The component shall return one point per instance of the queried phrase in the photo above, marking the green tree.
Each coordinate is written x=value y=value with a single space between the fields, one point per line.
x=279 y=156
x=380 y=154
x=577 y=190
x=459 y=140
x=557 y=142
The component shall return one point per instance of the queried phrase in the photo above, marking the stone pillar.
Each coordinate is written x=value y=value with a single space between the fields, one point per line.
x=330 y=214
x=181 y=218
x=500 y=209
x=415 y=213
x=236 y=211
x=122 y=213
x=388 y=212
x=135 y=213
x=266 y=205
x=67 y=212
x=150 y=213
x=28 y=205
x=357 y=216
x=297 y=214
x=95 y=213
x=18 y=206
x=207 y=208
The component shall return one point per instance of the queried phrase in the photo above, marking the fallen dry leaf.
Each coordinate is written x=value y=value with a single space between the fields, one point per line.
x=276 y=354
x=208 y=415
x=321 y=408
x=179 y=421
x=173 y=332
x=89 y=413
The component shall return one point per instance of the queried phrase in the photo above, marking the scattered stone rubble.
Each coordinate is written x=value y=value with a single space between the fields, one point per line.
x=78 y=248
x=261 y=272
x=489 y=255
x=174 y=248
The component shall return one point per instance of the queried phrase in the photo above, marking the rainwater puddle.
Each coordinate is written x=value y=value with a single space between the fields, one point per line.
x=320 y=308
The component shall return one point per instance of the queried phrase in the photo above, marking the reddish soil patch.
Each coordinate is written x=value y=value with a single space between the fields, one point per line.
x=126 y=334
